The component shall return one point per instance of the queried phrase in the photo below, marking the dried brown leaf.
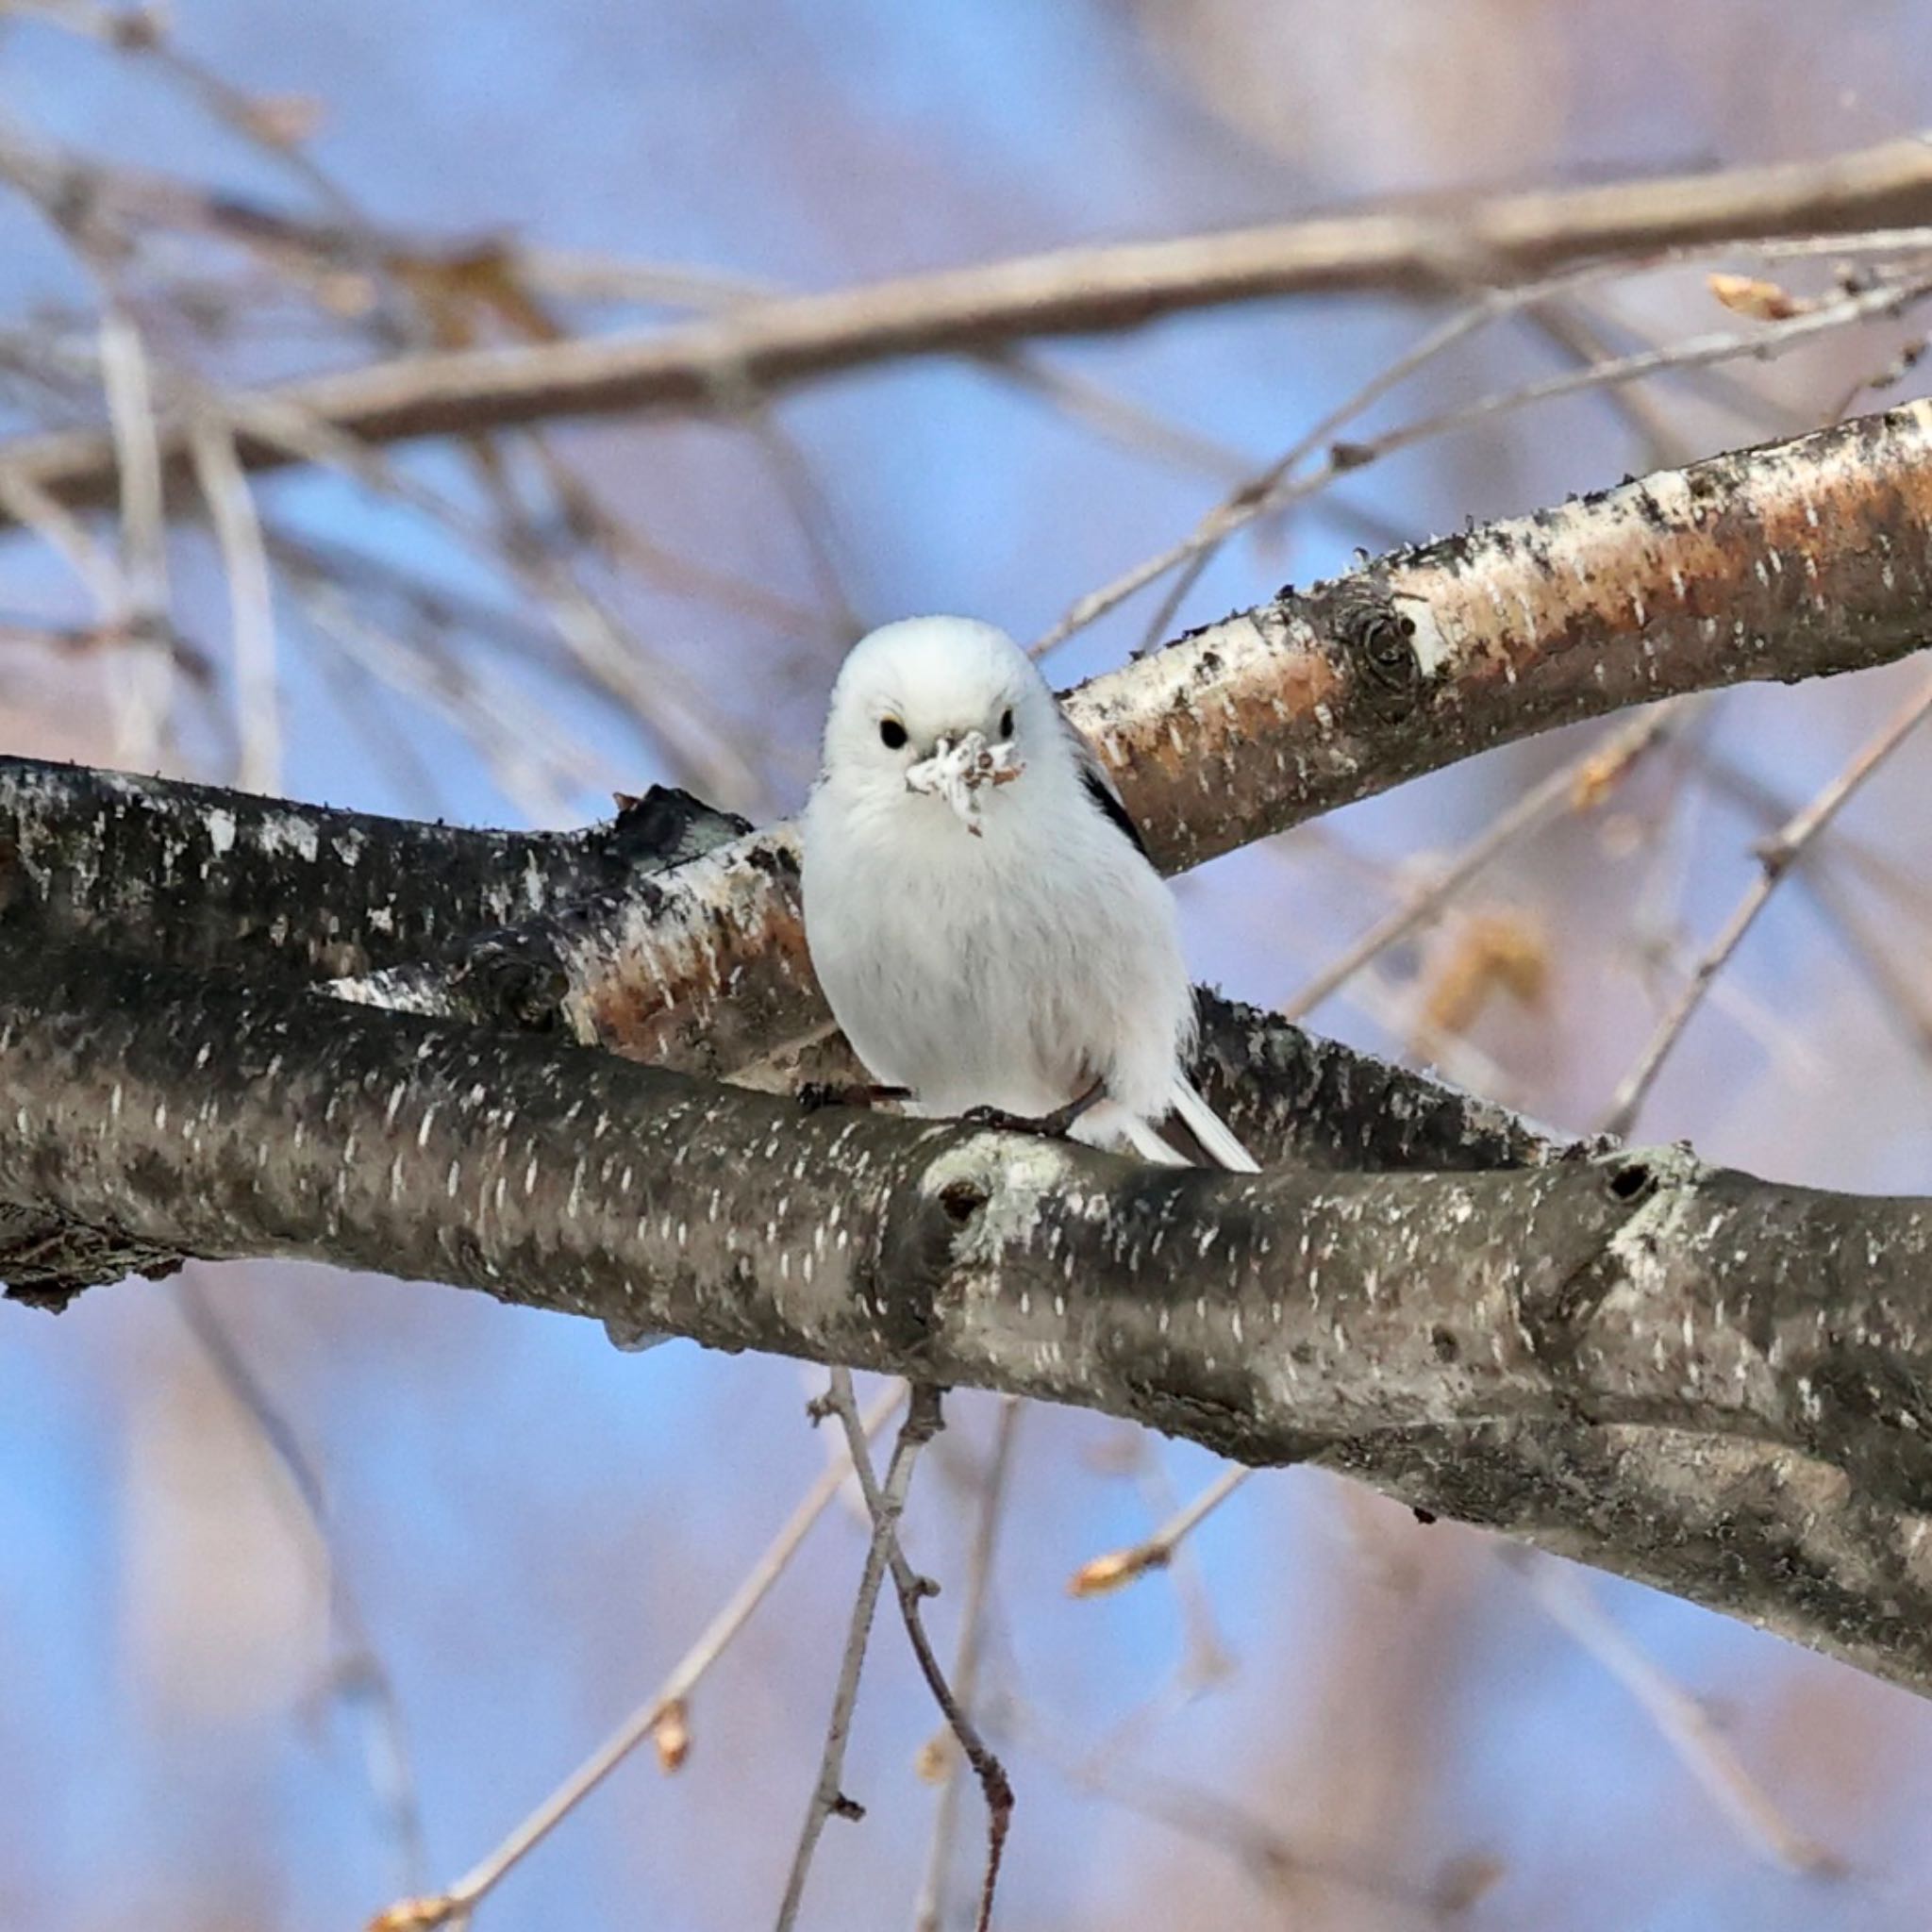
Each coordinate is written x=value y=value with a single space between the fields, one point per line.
x=1492 y=952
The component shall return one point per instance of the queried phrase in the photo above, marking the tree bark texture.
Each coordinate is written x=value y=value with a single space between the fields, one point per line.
x=1717 y=1384
x=1580 y=1314
x=1795 y=559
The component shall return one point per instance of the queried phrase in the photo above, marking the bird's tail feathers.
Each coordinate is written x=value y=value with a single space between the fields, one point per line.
x=1107 y=1124
x=1216 y=1138
x=1145 y=1141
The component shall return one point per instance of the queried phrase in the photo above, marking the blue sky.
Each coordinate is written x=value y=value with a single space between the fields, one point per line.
x=535 y=1525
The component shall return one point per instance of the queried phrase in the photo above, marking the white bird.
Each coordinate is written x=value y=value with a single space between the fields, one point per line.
x=979 y=908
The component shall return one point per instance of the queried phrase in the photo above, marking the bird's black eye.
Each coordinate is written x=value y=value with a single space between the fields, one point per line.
x=1006 y=722
x=891 y=734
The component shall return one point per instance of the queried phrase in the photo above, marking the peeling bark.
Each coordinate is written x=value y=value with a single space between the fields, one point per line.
x=1596 y=1299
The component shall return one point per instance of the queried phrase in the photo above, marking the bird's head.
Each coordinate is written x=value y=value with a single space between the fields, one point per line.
x=939 y=708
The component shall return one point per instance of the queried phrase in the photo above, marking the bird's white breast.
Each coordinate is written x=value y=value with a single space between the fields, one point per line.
x=1007 y=970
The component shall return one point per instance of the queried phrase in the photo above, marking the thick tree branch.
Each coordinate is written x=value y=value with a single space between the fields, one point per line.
x=189 y=875
x=764 y=346
x=198 y=875
x=1571 y=1310
x=1795 y=559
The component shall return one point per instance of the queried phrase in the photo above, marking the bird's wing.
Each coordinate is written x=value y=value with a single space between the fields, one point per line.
x=1101 y=790
x=1217 y=1138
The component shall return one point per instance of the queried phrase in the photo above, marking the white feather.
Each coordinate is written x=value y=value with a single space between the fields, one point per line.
x=997 y=940
x=1215 y=1136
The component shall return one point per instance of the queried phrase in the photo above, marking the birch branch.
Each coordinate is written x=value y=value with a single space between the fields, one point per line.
x=758 y=347
x=199 y=876
x=1502 y=1345
x=1795 y=559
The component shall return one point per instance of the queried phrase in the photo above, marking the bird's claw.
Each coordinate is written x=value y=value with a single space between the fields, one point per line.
x=1055 y=1125
x=1004 y=1123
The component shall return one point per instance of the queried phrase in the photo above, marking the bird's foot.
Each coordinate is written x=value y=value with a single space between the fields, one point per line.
x=815 y=1094
x=1055 y=1125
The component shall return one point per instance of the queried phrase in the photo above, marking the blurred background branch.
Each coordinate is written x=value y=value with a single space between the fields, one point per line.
x=1327 y=1709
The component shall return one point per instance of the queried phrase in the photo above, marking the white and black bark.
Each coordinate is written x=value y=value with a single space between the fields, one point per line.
x=1718 y=1384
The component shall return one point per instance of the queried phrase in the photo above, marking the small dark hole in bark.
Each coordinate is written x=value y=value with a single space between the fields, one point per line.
x=1446 y=1346
x=961 y=1201
x=1424 y=1515
x=1633 y=1182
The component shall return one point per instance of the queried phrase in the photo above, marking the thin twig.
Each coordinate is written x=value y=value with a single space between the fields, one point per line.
x=1120 y=1567
x=1287 y=487
x=1577 y=784
x=92 y=564
x=1906 y=891
x=251 y=603
x=923 y=1410
x=1226 y=518
x=357 y=1673
x=534 y=762
x=462 y=1899
x=139 y=700
x=653 y=699
x=887 y=1503
x=1561 y=1591
x=929 y=1910
x=1271 y=1860
x=1776 y=856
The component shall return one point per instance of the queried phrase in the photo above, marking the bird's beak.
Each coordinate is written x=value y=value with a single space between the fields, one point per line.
x=961 y=770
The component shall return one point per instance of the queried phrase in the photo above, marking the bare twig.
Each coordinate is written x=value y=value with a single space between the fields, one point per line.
x=1561 y=1591
x=1776 y=856
x=1274 y=1860
x=929 y=1910
x=95 y=568
x=357 y=1673
x=455 y=1905
x=1118 y=1566
x=1284 y=483
x=251 y=603
x=1221 y=523
x=888 y=1502
x=1576 y=785
x=924 y=1418
x=139 y=700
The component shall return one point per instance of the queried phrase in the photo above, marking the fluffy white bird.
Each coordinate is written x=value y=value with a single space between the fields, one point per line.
x=980 y=909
